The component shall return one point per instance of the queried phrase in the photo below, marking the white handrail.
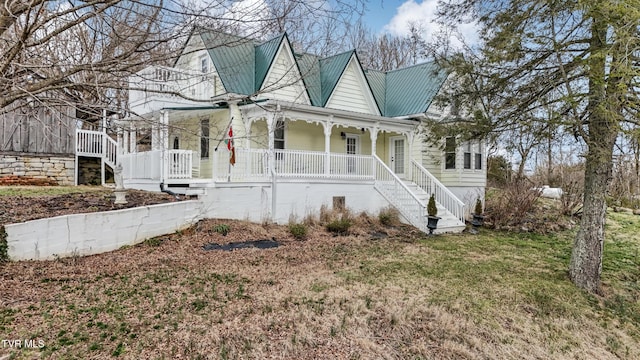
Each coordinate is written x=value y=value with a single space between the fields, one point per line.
x=96 y=144
x=399 y=195
x=180 y=164
x=427 y=182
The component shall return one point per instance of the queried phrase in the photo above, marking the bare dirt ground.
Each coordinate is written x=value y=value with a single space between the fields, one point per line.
x=23 y=203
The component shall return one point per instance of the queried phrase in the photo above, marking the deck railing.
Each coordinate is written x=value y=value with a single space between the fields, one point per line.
x=92 y=143
x=399 y=195
x=427 y=182
x=141 y=165
x=165 y=82
x=180 y=164
x=351 y=166
x=250 y=165
x=89 y=143
x=295 y=163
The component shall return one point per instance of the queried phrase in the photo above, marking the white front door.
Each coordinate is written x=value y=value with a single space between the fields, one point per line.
x=396 y=155
x=353 y=148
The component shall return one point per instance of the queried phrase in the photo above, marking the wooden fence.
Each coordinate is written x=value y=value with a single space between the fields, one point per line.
x=38 y=130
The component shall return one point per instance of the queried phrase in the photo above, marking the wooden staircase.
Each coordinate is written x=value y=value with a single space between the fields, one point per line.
x=97 y=144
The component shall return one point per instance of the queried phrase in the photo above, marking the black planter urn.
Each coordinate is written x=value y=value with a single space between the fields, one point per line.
x=432 y=223
x=478 y=220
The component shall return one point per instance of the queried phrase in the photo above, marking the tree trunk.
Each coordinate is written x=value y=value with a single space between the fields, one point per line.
x=603 y=126
x=586 y=258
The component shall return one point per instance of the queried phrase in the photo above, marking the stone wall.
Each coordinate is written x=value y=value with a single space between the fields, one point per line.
x=58 y=168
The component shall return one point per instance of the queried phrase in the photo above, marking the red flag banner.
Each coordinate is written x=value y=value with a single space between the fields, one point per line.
x=230 y=147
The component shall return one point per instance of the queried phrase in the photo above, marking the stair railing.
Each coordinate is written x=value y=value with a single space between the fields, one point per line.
x=399 y=195
x=427 y=182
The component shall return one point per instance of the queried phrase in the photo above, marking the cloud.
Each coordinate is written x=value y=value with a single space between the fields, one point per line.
x=423 y=15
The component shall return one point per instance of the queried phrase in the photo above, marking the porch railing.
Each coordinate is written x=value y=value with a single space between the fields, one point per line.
x=141 y=165
x=351 y=166
x=250 y=165
x=89 y=143
x=399 y=195
x=427 y=182
x=295 y=163
x=180 y=164
x=253 y=164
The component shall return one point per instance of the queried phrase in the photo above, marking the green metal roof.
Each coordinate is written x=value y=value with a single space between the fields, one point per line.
x=243 y=65
x=411 y=90
x=265 y=56
x=377 y=83
x=233 y=57
x=310 y=69
x=331 y=70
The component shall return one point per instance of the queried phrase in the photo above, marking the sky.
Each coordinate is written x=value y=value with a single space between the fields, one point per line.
x=394 y=17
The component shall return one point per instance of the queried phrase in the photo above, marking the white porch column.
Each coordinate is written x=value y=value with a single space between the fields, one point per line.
x=271 y=123
x=133 y=138
x=410 y=137
x=125 y=141
x=247 y=127
x=164 y=144
x=373 y=134
x=119 y=140
x=155 y=133
x=327 y=145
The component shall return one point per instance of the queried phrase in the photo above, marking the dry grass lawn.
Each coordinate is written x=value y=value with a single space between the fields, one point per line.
x=492 y=296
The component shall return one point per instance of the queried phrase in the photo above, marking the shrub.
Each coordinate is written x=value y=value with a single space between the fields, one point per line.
x=478 y=209
x=512 y=205
x=432 y=209
x=389 y=216
x=339 y=226
x=298 y=230
x=222 y=229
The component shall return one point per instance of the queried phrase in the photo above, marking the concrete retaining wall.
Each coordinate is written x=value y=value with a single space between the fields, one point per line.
x=54 y=167
x=293 y=199
x=94 y=233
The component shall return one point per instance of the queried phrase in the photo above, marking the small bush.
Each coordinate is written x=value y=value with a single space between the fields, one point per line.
x=478 y=209
x=299 y=231
x=432 y=209
x=512 y=206
x=222 y=229
x=389 y=216
x=339 y=226
x=156 y=241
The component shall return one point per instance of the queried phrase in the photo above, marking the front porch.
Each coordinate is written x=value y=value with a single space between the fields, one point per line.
x=284 y=143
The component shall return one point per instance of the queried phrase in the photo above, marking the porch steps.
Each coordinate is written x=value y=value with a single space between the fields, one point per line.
x=448 y=223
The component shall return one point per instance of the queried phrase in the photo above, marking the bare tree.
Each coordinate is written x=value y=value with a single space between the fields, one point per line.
x=82 y=52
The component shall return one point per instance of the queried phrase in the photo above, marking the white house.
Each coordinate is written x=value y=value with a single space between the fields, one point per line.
x=305 y=131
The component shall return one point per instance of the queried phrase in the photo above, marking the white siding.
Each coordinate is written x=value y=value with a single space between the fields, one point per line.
x=460 y=177
x=352 y=93
x=190 y=60
x=283 y=80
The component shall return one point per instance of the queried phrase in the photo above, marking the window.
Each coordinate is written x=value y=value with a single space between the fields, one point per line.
x=478 y=157
x=450 y=153
x=278 y=138
x=455 y=107
x=467 y=156
x=176 y=143
x=278 y=135
x=204 y=139
x=204 y=64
